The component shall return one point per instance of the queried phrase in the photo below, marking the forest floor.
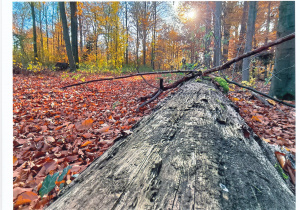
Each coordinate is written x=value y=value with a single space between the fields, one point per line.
x=54 y=127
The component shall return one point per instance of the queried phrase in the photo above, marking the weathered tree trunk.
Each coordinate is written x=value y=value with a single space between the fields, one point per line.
x=34 y=31
x=283 y=80
x=74 y=30
x=66 y=36
x=179 y=157
x=249 y=38
x=241 y=44
x=217 y=34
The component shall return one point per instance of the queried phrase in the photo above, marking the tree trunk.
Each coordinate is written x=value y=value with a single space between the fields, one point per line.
x=144 y=33
x=154 y=37
x=127 y=35
x=34 y=32
x=207 y=58
x=249 y=37
x=241 y=44
x=41 y=34
x=283 y=80
x=217 y=34
x=227 y=26
x=66 y=36
x=180 y=157
x=74 y=30
x=80 y=32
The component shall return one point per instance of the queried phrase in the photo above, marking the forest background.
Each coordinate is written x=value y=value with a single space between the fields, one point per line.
x=154 y=38
x=124 y=36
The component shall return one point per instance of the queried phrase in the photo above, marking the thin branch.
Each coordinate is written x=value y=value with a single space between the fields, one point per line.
x=152 y=99
x=256 y=91
x=126 y=76
x=253 y=52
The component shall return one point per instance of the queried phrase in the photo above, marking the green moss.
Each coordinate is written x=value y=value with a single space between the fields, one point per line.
x=222 y=82
x=198 y=80
x=280 y=170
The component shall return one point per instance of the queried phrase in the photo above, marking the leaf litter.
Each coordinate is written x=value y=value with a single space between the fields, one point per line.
x=62 y=131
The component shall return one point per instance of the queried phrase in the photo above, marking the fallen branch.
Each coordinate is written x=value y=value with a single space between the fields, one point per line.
x=162 y=88
x=256 y=91
x=126 y=76
x=253 y=52
x=152 y=99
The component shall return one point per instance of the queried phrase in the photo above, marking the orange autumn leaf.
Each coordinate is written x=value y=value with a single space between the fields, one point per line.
x=15 y=159
x=101 y=122
x=57 y=116
x=58 y=183
x=59 y=127
x=126 y=127
x=87 y=122
x=235 y=99
x=110 y=117
x=104 y=129
x=25 y=198
x=86 y=143
x=257 y=118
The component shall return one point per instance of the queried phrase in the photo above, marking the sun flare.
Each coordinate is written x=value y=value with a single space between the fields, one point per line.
x=191 y=14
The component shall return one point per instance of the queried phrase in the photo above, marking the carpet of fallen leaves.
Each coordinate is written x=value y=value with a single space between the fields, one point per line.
x=54 y=127
x=273 y=123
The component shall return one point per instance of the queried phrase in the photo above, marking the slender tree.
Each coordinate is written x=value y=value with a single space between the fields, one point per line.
x=207 y=58
x=74 y=30
x=242 y=34
x=41 y=31
x=249 y=37
x=217 y=34
x=66 y=36
x=283 y=80
x=127 y=34
x=34 y=31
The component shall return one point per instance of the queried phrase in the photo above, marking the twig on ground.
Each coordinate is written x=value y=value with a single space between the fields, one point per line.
x=256 y=91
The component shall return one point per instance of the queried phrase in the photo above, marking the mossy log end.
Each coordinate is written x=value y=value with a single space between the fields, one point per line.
x=179 y=157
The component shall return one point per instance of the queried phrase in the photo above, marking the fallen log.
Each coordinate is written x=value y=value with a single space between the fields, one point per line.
x=193 y=152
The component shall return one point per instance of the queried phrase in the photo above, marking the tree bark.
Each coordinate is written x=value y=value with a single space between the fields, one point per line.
x=227 y=26
x=181 y=157
x=217 y=34
x=34 y=32
x=74 y=30
x=207 y=58
x=249 y=38
x=283 y=80
x=66 y=36
x=241 y=44
x=41 y=33
x=127 y=35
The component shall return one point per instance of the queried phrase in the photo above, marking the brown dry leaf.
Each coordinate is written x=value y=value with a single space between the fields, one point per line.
x=281 y=158
x=257 y=118
x=266 y=140
x=271 y=102
x=50 y=139
x=87 y=135
x=19 y=190
x=84 y=125
x=25 y=198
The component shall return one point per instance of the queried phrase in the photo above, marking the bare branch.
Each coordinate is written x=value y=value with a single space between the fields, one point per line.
x=265 y=95
x=126 y=76
x=253 y=52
